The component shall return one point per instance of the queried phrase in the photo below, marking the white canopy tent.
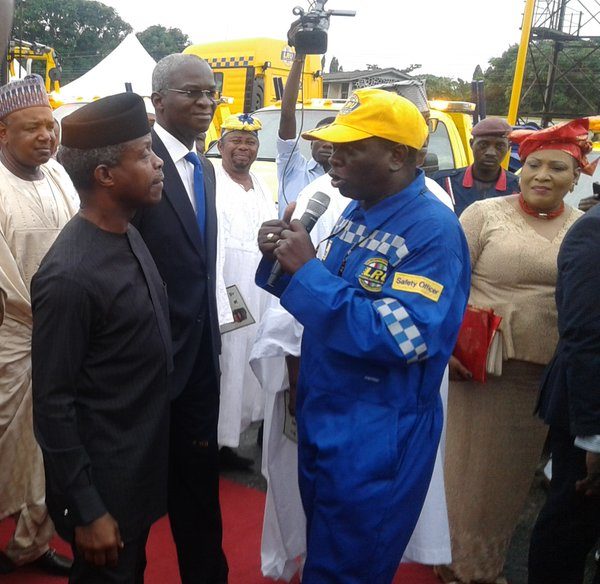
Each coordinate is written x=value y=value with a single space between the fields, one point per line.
x=128 y=63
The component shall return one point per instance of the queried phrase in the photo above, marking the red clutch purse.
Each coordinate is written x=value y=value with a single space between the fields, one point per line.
x=479 y=344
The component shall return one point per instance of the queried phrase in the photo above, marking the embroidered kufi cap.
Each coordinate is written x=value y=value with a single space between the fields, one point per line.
x=108 y=121
x=241 y=122
x=21 y=94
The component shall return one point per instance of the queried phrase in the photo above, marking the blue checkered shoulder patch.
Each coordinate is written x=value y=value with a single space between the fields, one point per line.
x=402 y=328
x=390 y=245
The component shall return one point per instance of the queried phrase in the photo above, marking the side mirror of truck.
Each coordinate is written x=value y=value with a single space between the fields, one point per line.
x=431 y=164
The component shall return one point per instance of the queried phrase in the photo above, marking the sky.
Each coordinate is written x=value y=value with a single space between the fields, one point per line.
x=448 y=38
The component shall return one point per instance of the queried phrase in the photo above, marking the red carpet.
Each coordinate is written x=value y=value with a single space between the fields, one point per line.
x=242 y=518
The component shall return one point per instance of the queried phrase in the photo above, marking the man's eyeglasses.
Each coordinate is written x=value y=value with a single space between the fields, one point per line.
x=196 y=94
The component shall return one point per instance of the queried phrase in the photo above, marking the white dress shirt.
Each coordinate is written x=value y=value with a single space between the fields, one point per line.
x=177 y=151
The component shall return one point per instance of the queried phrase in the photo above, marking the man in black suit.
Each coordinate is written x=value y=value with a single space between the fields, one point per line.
x=569 y=523
x=101 y=350
x=181 y=233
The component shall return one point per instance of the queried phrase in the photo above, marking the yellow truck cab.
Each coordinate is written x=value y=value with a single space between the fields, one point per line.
x=253 y=71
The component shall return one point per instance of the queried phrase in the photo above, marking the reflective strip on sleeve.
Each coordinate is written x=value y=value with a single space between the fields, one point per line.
x=402 y=328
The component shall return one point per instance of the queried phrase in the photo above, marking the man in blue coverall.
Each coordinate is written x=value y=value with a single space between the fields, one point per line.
x=381 y=314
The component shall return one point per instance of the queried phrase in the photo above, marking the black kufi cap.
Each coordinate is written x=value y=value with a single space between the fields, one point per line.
x=108 y=121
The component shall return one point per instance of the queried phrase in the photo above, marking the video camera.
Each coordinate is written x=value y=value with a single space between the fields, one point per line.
x=311 y=36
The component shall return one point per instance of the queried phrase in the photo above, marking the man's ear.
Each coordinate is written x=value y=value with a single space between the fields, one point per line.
x=103 y=176
x=3 y=131
x=156 y=99
x=398 y=154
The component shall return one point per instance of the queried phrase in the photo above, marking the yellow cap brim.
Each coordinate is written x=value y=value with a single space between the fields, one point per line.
x=336 y=133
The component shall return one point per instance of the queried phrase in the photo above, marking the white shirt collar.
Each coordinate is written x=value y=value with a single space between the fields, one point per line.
x=175 y=148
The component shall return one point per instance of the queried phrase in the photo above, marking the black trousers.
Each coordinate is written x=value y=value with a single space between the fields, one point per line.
x=129 y=570
x=568 y=525
x=194 y=507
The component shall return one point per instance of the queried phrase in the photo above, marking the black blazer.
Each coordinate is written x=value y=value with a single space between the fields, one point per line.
x=570 y=393
x=186 y=264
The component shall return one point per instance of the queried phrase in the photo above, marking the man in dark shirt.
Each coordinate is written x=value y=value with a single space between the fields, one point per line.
x=101 y=349
x=485 y=178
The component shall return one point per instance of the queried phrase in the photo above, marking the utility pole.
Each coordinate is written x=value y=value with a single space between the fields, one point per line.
x=559 y=38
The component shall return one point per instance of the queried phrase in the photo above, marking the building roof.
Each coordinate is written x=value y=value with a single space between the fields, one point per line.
x=347 y=76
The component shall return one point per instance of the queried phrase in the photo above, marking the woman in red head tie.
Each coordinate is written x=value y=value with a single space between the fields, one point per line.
x=494 y=442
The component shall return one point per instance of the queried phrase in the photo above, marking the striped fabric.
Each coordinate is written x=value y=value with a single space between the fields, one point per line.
x=23 y=93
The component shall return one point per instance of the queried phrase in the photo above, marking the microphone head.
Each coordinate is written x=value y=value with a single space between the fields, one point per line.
x=318 y=203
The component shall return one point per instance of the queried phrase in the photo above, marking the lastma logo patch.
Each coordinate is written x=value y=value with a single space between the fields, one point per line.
x=373 y=276
x=351 y=104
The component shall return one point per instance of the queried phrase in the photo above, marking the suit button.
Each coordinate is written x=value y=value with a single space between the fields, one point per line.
x=199 y=319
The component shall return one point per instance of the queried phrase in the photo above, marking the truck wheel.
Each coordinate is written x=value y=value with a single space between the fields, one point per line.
x=258 y=94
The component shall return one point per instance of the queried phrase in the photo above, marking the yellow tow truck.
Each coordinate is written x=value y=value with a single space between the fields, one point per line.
x=26 y=52
x=253 y=72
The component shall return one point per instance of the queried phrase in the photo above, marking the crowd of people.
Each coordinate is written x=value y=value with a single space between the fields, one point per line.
x=152 y=307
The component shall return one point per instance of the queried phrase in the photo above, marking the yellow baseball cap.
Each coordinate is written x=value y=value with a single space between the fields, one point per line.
x=375 y=112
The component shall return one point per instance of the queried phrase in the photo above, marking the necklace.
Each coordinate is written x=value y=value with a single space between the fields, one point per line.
x=540 y=215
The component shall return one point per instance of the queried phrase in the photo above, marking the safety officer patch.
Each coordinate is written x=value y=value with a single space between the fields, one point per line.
x=373 y=275
x=351 y=104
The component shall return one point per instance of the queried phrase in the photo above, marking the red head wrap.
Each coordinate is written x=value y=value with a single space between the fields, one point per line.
x=571 y=137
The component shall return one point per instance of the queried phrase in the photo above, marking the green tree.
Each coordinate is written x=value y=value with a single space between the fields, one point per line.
x=160 y=41
x=82 y=32
x=446 y=88
x=577 y=80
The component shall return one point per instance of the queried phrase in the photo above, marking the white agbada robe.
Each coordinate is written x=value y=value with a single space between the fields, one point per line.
x=32 y=213
x=283 y=545
x=240 y=213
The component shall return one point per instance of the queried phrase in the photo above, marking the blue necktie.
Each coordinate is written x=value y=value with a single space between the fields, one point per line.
x=198 y=191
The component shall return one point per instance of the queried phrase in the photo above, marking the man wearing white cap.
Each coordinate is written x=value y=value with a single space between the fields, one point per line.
x=36 y=201
x=244 y=202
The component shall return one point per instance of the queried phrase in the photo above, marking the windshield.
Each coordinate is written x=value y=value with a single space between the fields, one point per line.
x=270 y=127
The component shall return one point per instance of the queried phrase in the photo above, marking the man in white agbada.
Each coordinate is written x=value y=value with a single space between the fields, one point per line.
x=36 y=201
x=244 y=202
x=283 y=546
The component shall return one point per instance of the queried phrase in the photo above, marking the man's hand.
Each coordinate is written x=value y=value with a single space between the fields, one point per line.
x=270 y=232
x=294 y=248
x=291 y=34
x=587 y=203
x=590 y=485
x=100 y=541
x=457 y=371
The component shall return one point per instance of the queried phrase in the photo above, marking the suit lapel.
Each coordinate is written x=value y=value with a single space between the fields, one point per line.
x=174 y=191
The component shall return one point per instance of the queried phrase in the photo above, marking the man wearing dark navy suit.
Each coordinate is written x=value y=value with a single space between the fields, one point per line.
x=181 y=233
x=569 y=523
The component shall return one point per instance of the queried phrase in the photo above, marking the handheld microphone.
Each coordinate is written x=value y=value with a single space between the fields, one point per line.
x=316 y=207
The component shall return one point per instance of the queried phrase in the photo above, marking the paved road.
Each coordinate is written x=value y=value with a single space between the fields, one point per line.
x=516 y=564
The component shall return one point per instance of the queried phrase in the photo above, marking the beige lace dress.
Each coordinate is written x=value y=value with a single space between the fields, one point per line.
x=494 y=441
